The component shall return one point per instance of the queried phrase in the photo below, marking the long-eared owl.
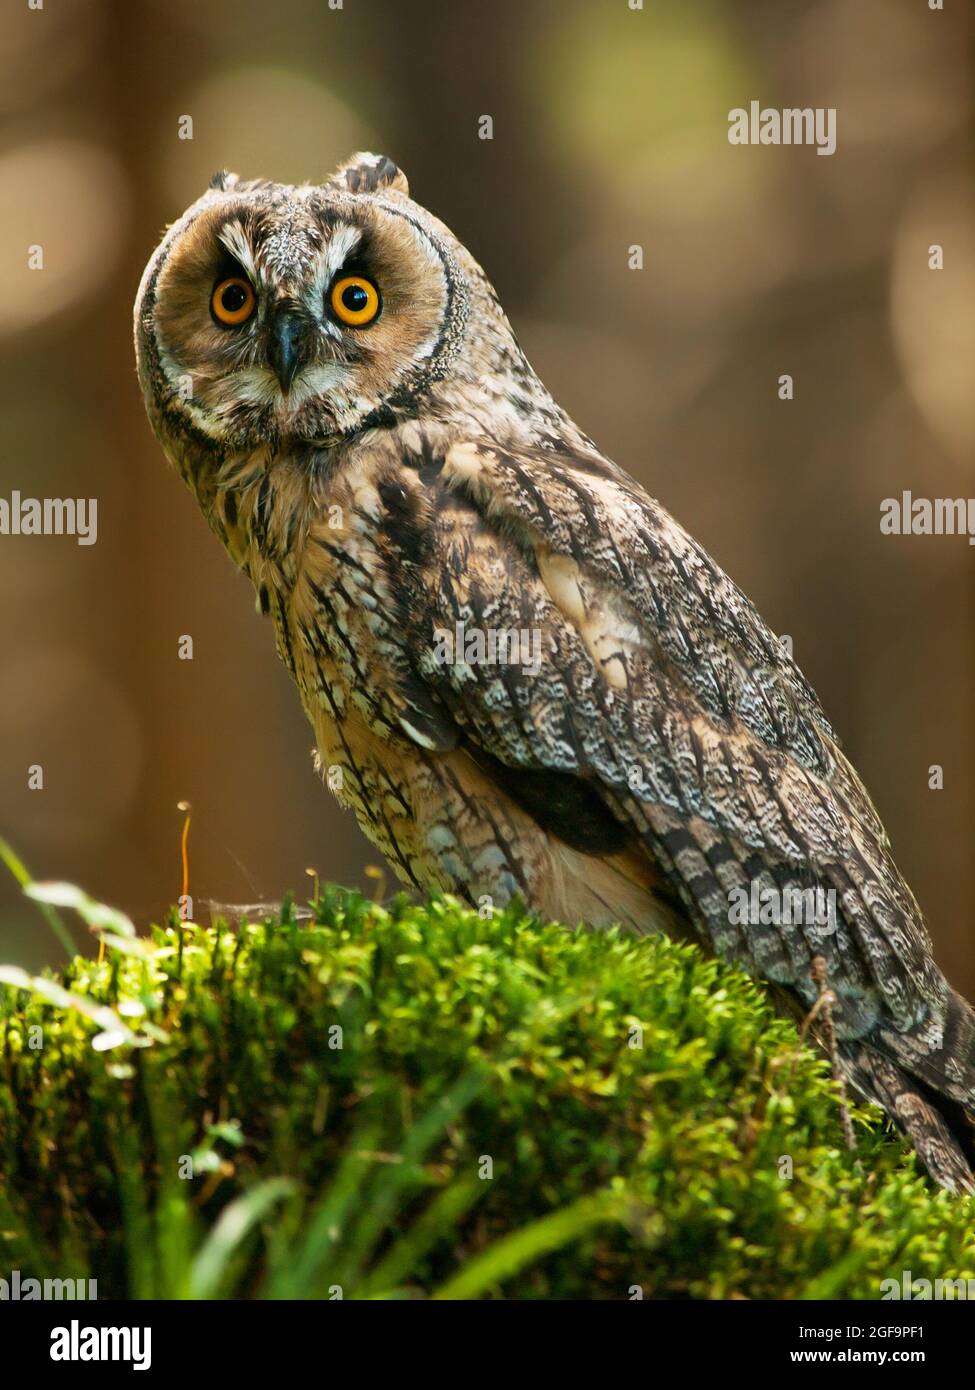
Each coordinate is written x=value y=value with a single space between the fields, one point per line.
x=524 y=677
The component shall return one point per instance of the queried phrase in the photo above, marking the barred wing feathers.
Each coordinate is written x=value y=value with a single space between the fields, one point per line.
x=661 y=688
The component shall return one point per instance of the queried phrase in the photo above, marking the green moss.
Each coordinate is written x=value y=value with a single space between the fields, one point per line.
x=468 y=1046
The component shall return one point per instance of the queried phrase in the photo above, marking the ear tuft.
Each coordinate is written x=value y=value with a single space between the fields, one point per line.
x=223 y=180
x=369 y=173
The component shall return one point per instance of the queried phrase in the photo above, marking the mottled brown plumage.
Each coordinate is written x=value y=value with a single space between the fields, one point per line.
x=381 y=484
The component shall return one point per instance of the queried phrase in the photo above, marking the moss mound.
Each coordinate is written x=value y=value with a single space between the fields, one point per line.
x=415 y=1101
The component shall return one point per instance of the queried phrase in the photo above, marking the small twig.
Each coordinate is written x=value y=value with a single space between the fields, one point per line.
x=824 y=1005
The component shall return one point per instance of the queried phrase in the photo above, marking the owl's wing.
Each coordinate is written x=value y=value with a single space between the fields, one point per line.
x=659 y=687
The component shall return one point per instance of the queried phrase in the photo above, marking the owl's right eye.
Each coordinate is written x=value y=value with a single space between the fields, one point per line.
x=232 y=301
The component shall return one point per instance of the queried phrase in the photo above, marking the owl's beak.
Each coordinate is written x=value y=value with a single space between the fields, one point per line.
x=287 y=350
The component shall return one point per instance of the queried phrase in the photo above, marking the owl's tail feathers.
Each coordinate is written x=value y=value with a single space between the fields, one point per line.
x=941 y=1129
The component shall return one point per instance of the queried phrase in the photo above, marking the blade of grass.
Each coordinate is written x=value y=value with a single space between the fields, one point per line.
x=233 y=1226
x=510 y=1254
x=53 y=993
x=300 y=1269
x=20 y=872
x=98 y=916
x=391 y=1182
x=133 y=1191
x=441 y=1216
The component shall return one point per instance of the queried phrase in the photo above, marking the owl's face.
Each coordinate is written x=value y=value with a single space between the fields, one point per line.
x=274 y=312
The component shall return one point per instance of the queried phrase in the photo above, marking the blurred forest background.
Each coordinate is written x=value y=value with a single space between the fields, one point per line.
x=610 y=130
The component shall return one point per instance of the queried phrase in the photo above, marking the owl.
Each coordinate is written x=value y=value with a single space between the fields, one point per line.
x=524 y=677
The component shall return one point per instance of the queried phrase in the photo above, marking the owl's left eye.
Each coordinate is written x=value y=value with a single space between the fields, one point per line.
x=232 y=301
x=354 y=300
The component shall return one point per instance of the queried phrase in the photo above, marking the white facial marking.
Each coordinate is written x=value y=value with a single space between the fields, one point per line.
x=338 y=249
x=233 y=238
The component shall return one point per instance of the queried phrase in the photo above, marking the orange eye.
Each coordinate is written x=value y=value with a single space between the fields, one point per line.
x=232 y=301
x=354 y=300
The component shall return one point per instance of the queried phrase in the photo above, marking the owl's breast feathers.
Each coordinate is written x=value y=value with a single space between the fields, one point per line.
x=535 y=682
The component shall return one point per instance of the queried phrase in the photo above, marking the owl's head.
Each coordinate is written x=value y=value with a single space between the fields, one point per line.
x=273 y=312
